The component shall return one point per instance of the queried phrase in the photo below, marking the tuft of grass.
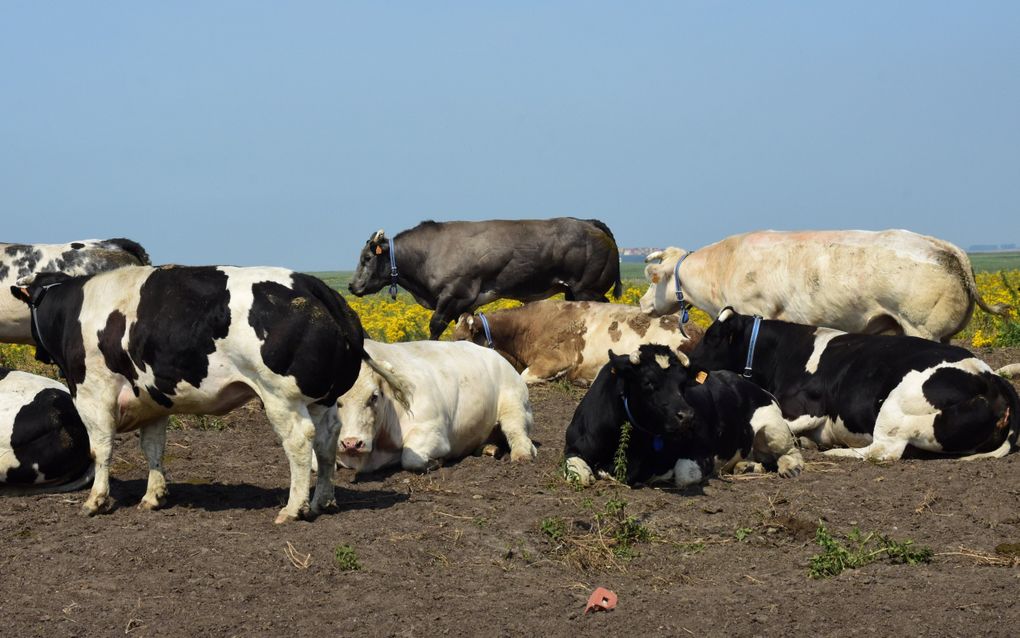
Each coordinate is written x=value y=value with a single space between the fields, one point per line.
x=346 y=559
x=862 y=549
x=554 y=528
x=741 y=533
x=620 y=458
x=200 y=422
x=601 y=541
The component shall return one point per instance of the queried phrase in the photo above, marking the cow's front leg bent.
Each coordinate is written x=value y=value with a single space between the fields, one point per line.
x=448 y=308
x=425 y=448
x=327 y=432
x=296 y=430
x=153 y=441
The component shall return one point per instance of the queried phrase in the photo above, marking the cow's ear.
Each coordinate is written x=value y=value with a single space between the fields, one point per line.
x=619 y=363
x=22 y=294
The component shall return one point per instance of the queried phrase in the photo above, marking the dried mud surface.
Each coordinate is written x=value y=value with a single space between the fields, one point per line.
x=460 y=551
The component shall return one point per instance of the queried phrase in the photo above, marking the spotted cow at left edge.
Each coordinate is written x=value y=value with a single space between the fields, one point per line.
x=138 y=344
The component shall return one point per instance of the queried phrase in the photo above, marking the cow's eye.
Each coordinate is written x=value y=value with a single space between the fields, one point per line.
x=339 y=404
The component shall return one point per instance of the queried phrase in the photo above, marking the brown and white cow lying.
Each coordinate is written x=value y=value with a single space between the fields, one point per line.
x=551 y=339
x=887 y=282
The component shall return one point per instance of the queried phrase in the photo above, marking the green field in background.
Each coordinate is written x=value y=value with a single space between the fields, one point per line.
x=633 y=273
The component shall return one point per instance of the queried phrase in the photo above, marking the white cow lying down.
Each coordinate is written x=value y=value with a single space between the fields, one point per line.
x=458 y=393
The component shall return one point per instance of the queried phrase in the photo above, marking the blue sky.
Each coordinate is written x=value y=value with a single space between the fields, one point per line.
x=286 y=133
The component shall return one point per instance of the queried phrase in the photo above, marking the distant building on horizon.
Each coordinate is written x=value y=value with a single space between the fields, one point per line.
x=990 y=248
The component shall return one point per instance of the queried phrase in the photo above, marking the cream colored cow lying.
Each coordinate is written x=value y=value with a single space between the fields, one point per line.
x=550 y=339
x=458 y=393
x=892 y=281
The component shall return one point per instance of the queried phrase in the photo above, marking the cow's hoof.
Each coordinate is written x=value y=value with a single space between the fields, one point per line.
x=748 y=467
x=490 y=449
x=527 y=454
x=790 y=465
x=577 y=472
x=97 y=506
x=151 y=504
x=286 y=517
x=321 y=508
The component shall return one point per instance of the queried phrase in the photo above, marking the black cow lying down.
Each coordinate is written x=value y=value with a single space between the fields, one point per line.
x=138 y=344
x=681 y=429
x=454 y=267
x=872 y=393
x=43 y=443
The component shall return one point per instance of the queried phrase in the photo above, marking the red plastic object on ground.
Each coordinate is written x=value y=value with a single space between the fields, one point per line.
x=601 y=600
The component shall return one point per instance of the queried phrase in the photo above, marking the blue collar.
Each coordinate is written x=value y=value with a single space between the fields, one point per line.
x=488 y=333
x=684 y=307
x=750 y=347
x=657 y=443
x=393 y=269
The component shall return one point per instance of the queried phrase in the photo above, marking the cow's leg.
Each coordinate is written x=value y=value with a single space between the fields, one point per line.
x=153 y=440
x=448 y=308
x=577 y=470
x=327 y=431
x=100 y=419
x=880 y=449
x=515 y=420
x=425 y=447
x=774 y=443
x=296 y=430
x=547 y=366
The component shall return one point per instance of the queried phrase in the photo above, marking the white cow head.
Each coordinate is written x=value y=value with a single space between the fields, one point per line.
x=369 y=417
x=660 y=298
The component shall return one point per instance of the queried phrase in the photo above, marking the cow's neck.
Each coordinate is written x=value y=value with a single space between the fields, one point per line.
x=696 y=275
x=412 y=260
x=777 y=341
x=515 y=342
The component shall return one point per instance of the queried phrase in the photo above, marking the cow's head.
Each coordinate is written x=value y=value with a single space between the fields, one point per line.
x=724 y=346
x=32 y=290
x=660 y=298
x=654 y=378
x=373 y=271
x=368 y=413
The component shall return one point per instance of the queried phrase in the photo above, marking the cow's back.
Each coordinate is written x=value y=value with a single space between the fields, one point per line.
x=857 y=281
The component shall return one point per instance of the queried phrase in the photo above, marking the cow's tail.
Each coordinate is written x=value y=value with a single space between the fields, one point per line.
x=80 y=482
x=400 y=386
x=971 y=283
x=132 y=248
x=618 y=284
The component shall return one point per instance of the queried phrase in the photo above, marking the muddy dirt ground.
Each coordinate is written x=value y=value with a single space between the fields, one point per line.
x=487 y=547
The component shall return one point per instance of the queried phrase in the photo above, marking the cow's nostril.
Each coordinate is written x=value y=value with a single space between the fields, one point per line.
x=352 y=444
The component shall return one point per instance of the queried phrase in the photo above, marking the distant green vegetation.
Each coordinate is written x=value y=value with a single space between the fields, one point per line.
x=994 y=262
x=633 y=272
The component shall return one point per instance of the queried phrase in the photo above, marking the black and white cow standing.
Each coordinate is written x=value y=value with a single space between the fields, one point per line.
x=43 y=443
x=683 y=427
x=83 y=257
x=138 y=344
x=455 y=267
x=875 y=394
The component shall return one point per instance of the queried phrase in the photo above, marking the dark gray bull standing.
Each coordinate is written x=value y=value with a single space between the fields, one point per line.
x=455 y=267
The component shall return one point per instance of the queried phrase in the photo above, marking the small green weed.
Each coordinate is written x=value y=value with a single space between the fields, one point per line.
x=555 y=528
x=861 y=550
x=620 y=458
x=742 y=533
x=345 y=558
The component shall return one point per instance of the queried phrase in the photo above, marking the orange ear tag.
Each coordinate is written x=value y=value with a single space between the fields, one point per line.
x=701 y=377
x=378 y=250
x=655 y=279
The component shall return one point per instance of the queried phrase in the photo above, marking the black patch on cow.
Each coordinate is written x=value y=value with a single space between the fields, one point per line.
x=24 y=258
x=4 y=271
x=971 y=405
x=58 y=317
x=111 y=337
x=310 y=333
x=182 y=311
x=77 y=245
x=3 y=373
x=49 y=434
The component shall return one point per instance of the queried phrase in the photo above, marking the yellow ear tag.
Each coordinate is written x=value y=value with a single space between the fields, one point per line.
x=378 y=250
x=701 y=377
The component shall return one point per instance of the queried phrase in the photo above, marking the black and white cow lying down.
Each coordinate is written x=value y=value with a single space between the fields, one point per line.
x=138 y=344
x=43 y=443
x=681 y=429
x=874 y=394
x=83 y=257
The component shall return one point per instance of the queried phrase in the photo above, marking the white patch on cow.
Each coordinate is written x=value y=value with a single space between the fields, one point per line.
x=578 y=471
x=686 y=472
x=822 y=338
x=662 y=360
